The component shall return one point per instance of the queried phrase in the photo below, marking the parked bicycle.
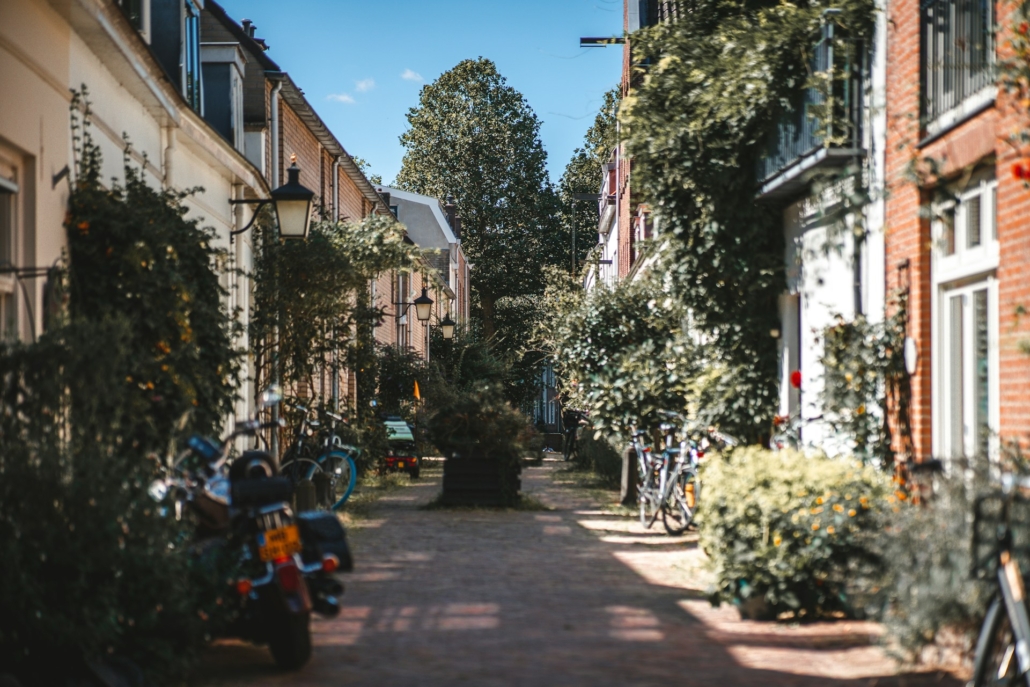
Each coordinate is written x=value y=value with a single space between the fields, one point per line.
x=1003 y=647
x=669 y=483
x=330 y=465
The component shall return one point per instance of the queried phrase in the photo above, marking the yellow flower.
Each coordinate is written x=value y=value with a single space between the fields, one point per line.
x=851 y=513
x=839 y=508
x=819 y=501
x=815 y=525
x=847 y=377
x=816 y=511
x=777 y=540
x=830 y=529
x=861 y=409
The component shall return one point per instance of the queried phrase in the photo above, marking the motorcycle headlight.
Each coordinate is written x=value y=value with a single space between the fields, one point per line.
x=158 y=490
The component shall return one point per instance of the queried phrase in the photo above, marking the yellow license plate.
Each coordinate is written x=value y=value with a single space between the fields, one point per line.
x=278 y=543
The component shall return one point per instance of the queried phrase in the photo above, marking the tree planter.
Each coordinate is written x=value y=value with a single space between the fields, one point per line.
x=480 y=481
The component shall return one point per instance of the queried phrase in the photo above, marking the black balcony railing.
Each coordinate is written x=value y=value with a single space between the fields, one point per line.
x=816 y=122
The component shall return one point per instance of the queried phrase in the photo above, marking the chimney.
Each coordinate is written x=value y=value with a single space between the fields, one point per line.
x=385 y=195
x=248 y=27
x=451 y=209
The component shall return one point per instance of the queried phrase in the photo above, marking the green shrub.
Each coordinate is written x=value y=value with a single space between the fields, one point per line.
x=928 y=556
x=789 y=533
x=91 y=568
x=601 y=456
x=481 y=425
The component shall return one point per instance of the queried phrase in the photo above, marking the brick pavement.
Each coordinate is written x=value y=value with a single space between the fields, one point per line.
x=571 y=596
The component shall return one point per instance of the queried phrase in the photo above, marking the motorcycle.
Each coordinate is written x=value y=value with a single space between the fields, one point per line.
x=286 y=561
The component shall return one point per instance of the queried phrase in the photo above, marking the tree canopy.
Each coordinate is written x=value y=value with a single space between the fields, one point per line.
x=475 y=138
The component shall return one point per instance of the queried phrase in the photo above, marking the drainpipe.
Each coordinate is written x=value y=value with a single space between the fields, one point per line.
x=336 y=189
x=336 y=350
x=169 y=135
x=274 y=178
x=274 y=107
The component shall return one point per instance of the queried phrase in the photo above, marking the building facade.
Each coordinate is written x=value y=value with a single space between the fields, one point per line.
x=143 y=65
x=958 y=240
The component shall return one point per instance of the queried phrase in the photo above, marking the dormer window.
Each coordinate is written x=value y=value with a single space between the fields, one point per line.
x=191 y=71
x=175 y=40
x=223 y=70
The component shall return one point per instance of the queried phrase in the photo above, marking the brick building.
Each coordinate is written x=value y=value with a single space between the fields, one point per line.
x=957 y=237
x=279 y=124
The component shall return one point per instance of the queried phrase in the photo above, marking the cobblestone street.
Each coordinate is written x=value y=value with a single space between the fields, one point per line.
x=567 y=596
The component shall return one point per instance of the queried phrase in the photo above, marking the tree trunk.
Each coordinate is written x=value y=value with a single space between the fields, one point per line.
x=486 y=300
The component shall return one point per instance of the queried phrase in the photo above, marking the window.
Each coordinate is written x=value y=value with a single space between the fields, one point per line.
x=403 y=296
x=957 y=56
x=191 y=79
x=8 y=304
x=965 y=346
x=966 y=233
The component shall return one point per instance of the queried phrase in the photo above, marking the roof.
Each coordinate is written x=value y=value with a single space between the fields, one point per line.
x=433 y=204
x=296 y=100
x=253 y=46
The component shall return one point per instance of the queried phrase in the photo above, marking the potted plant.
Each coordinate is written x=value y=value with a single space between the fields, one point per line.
x=478 y=434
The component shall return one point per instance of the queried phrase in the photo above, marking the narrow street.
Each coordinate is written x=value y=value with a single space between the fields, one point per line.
x=567 y=596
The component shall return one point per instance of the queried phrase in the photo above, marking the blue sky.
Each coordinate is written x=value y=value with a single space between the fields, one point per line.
x=361 y=64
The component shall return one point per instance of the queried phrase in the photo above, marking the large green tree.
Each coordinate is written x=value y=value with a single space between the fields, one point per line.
x=475 y=138
x=583 y=175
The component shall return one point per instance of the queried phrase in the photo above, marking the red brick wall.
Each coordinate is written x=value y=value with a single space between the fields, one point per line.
x=298 y=140
x=972 y=144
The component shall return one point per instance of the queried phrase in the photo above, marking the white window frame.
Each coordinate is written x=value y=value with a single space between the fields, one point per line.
x=962 y=273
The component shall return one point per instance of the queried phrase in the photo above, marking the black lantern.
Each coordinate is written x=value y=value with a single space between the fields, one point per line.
x=292 y=203
x=447 y=326
x=423 y=306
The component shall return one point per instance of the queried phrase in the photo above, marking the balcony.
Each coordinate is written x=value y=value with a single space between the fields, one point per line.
x=804 y=143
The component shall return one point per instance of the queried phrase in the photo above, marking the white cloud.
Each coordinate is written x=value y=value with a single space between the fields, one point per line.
x=411 y=75
x=341 y=98
x=364 y=85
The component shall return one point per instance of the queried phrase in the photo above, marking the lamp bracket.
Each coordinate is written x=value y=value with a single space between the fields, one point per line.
x=259 y=202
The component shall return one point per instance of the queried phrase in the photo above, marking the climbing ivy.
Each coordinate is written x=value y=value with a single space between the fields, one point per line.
x=709 y=90
x=311 y=298
x=864 y=366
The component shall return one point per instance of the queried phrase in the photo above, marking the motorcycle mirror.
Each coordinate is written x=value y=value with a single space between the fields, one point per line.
x=270 y=396
x=158 y=490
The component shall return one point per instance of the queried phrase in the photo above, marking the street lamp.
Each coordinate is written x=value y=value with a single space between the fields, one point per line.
x=292 y=206
x=447 y=326
x=423 y=306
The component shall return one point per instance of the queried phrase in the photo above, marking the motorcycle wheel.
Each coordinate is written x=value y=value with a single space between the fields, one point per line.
x=290 y=641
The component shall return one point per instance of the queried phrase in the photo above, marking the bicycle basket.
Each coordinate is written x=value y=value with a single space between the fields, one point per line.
x=989 y=528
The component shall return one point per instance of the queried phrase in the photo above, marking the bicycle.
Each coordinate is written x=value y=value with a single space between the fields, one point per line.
x=669 y=483
x=335 y=460
x=1005 y=633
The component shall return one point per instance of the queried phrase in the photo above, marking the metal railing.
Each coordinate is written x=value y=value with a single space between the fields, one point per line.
x=800 y=132
x=957 y=59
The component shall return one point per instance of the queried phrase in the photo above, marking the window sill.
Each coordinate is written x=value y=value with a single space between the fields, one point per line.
x=956 y=116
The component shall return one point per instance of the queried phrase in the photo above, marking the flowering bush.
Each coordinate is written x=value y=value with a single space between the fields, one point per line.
x=788 y=533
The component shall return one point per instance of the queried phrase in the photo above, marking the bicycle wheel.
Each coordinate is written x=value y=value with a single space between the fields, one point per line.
x=343 y=474
x=648 y=496
x=678 y=510
x=996 y=664
x=299 y=468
